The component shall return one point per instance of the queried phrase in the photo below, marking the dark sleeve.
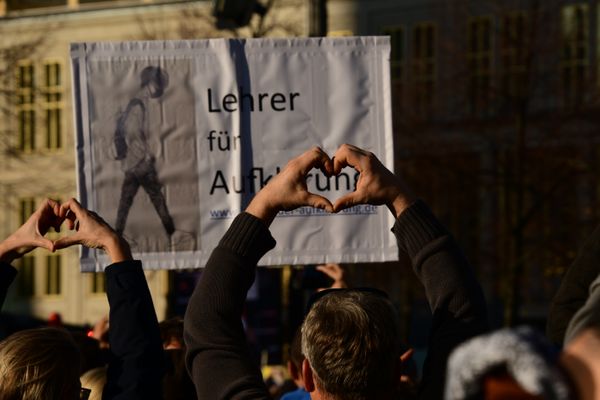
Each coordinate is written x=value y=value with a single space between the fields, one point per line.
x=7 y=276
x=136 y=363
x=588 y=315
x=454 y=295
x=217 y=354
x=574 y=288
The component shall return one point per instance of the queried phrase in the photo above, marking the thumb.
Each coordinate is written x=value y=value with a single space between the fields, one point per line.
x=66 y=241
x=406 y=355
x=321 y=202
x=346 y=201
x=45 y=243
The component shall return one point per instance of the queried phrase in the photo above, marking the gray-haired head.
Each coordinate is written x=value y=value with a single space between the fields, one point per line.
x=351 y=340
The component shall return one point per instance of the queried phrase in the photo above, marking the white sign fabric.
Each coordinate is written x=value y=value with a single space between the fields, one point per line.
x=174 y=138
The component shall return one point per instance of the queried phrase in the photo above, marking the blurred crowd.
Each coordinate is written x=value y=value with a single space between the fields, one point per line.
x=348 y=346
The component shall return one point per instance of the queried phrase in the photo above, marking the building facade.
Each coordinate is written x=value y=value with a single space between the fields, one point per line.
x=495 y=118
x=37 y=130
x=494 y=107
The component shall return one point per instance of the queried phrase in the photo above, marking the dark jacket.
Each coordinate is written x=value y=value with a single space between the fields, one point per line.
x=217 y=356
x=136 y=363
x=574 y=288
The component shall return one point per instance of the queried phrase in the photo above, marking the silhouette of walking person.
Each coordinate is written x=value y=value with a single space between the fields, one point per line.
x=137 y=161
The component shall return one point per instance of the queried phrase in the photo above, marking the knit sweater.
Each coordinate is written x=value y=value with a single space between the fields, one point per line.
x=217 y=356
x=574 y=288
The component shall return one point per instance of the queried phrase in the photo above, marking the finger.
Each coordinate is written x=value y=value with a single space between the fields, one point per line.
x=48 y=208
x=47 y=205
x=58 y=220
x=56 y=208
x=323 y=269
x=66 y=212
x=406 y=355
x=45 y=243
x=73 y=205
x=67 y=215
x=52 y=203
x=328 y=266
x=313 y=158
x=67 y=241
x=70 y=223
x=327 y=270
x=347 y=156
x=347 y=201
x=47 y=216
x=317 y=201
x=73 y=211
x=326 y=165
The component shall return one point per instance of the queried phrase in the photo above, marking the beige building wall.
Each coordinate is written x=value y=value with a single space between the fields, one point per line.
x=33 y=175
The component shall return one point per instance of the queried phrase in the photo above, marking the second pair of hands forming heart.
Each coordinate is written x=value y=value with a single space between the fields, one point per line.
x=288 y=190
x=90 y=231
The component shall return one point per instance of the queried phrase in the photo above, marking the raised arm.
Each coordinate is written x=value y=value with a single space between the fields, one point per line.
x=574 y=288
x=136 y=363
x=454 y=295
x=217 y=356
x=29 y=236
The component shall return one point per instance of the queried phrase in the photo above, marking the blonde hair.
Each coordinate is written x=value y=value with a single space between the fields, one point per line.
x=94 y=379
x=39 y=364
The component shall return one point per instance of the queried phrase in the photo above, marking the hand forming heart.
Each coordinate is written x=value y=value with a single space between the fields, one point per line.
x=288 y=190
x=91 y=231
x=31 y=234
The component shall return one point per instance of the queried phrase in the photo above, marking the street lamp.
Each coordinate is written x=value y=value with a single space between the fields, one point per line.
x=233 y=14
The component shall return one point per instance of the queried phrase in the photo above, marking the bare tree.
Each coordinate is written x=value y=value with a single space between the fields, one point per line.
x=12 y=52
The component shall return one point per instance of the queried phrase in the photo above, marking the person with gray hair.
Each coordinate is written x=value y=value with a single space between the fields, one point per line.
x=371 y=318
x=349 y=336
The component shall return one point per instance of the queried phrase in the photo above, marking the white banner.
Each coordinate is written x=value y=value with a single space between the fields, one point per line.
x=174 y=138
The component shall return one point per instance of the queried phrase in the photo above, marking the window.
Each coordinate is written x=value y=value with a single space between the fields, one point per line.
x=479 y=58
x=26 y=276
x=45 y=97
x=98 y=282
x=17 y=5
x=575 y=52
x=423 y=67
x=27 y=206
x=397 y=64
x=52 y=104
x=26 y=105
x=26 y=283
x=397 y=57
x=53 y=272
x=514 y=46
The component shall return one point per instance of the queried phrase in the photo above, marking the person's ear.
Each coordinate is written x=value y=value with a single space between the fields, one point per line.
x=307 y=374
